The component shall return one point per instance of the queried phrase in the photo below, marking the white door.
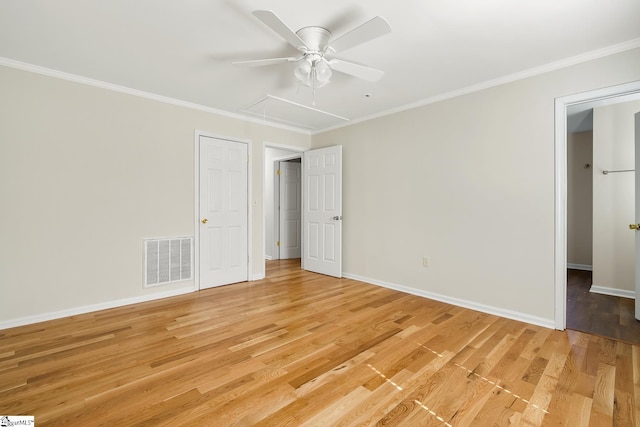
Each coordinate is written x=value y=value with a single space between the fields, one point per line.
x=637 y=167
x=322 y=211
x=290 y=210
x=223 y=212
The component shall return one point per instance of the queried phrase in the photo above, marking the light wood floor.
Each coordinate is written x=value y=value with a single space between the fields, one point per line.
x=305 y=349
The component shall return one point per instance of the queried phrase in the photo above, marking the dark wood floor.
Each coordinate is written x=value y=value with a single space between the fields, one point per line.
x=604 y=315
x=302 y=349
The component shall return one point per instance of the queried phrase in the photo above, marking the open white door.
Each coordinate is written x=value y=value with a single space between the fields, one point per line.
x=637 y=224
x=290 y=210
x=223 y=246
x=322 y=211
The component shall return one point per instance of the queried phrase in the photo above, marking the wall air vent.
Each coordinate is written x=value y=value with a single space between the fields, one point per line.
x=167 y=260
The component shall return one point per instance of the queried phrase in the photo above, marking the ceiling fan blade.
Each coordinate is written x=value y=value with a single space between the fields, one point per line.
x=261 y=62
x=370 y=30
x=272 y=21
x=356 y=70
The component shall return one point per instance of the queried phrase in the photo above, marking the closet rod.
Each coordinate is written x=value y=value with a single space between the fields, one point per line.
x=624 y=170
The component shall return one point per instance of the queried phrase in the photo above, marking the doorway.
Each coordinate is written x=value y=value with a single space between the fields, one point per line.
x=273 y=154
x=321 y=225
x=600 y=203
x=288 y=208
x=587 y=100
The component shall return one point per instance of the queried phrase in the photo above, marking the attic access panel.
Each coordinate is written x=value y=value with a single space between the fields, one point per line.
x=272 y=108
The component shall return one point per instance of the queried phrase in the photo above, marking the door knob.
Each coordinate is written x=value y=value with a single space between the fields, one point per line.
x=204 y=220
x=337 y=218
x=634 y=226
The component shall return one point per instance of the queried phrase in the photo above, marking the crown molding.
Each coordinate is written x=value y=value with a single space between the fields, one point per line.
x=553 y=66
x=531 y=72
x=11 y=63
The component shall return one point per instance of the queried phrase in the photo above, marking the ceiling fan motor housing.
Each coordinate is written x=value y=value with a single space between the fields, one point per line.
x=316 y=38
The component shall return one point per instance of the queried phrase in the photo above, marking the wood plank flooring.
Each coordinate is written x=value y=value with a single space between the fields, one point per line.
x=301 y=349
x=604 y=315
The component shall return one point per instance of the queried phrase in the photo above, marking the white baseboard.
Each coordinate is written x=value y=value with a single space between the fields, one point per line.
x=258 y=276
x=612 y=291
x=583 y=267
x=514 y=315
x=268 y=257
x=28 y=320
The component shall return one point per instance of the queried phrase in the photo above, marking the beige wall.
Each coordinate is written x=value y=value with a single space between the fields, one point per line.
x=469 y=182
x=85 y=175
x=580 y=199
x=614 y=196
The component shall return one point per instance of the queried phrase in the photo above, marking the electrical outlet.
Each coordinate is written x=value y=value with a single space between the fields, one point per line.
x=426 y=262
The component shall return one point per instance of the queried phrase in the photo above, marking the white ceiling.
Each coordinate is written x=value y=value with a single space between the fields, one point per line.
x=184 y=49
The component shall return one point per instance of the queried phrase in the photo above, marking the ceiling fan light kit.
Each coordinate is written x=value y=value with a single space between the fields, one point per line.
x=314 y=69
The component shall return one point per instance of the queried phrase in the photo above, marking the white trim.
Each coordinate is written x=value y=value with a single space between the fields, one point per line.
x=531 y=72
x=297 y=152
x=612 y=291
x=290 y=157
x=277 y=231
x=21 y=321
x=295 y=148
x=139 y=93
x=509 y=314
x=275 y=215
x=560 y=216
x=560 y=229
x=268 y=258
x=583 y=267
x=196 y=209
x=250 y=203
x=258 y=276
x=196 y=226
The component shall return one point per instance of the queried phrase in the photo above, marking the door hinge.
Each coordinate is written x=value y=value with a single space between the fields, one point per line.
x=278 y=243
x=278 y=172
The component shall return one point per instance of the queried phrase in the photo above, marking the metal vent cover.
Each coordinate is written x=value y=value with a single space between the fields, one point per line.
x=167 y=260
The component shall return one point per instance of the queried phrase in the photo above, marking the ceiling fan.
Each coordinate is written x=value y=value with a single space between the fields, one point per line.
x=317 y=47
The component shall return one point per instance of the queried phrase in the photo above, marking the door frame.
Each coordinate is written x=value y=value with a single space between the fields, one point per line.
x=296 y=152
x=276 y=196
x=560 y=219
x=636 y=138
x=196 y=217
